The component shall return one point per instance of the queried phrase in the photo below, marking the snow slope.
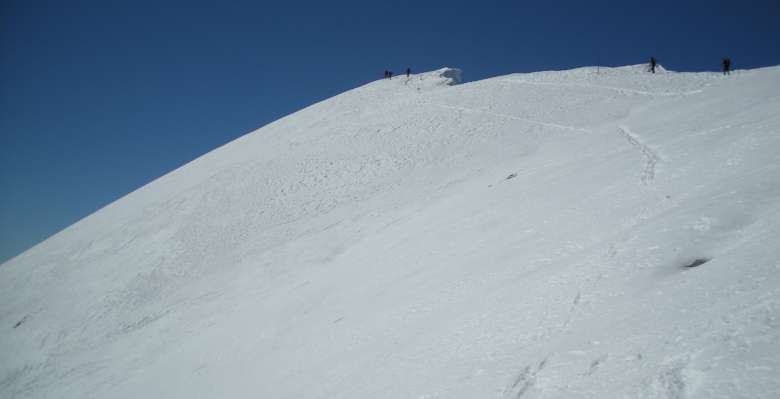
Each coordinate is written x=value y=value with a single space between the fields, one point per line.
x=524 y=236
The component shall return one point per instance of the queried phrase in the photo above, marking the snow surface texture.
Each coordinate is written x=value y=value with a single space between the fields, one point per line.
x=525 y=236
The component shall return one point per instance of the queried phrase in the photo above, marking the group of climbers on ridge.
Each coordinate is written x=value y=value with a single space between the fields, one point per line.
x=389 y=74
x=725 y=64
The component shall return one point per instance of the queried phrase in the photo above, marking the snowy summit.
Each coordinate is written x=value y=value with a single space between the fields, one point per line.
x=591 y=233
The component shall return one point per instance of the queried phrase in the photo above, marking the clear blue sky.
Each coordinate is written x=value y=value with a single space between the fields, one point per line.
x=98 y=98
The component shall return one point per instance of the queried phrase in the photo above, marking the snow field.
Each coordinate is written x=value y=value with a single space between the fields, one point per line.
x=523 y=236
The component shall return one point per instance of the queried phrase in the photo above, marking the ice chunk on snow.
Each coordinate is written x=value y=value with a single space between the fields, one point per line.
x=452 y=76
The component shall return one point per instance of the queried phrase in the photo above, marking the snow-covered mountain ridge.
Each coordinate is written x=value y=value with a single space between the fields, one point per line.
x=524 y=236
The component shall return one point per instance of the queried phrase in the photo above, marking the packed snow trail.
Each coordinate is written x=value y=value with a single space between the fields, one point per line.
x=651 y=158
x=414 y=238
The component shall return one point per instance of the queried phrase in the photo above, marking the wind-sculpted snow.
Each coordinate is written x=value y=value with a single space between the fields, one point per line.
x=526 y=236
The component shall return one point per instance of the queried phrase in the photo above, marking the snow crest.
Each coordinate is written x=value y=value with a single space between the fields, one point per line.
x=525 y=236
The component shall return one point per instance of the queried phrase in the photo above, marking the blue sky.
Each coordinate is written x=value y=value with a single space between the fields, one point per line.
x=98 y=98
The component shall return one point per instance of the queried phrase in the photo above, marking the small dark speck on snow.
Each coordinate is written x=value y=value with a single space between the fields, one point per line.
x=697 y=262
x=20 y=322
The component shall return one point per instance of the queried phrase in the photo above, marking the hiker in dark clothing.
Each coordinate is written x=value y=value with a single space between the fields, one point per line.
x=386 y=73
x=653 y=63
x=726 y=66
x=408 y=72
x=390 y=74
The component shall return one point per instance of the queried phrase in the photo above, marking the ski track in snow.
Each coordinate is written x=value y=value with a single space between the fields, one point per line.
x=513 y=117
x=620 y=90
x=651 y=158
x=524 y=382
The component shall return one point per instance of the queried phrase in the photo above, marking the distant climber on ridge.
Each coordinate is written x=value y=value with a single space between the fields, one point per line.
x=653 y=63
x=726 y=66
x=408 y=72
x=390 y=74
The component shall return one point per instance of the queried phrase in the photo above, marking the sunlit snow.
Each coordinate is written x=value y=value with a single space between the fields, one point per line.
x=524 y=236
